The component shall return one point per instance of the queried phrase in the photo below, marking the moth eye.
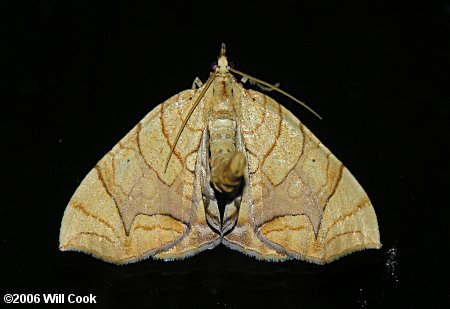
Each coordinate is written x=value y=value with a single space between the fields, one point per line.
x=231 y=64
x=214 y=66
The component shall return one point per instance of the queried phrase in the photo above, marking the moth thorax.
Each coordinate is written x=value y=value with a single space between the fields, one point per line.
x=222 y=63
x=226 y=170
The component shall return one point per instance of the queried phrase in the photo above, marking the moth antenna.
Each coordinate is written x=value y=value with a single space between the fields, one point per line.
x=197 y=101
x=268 y=89
x=275 y=88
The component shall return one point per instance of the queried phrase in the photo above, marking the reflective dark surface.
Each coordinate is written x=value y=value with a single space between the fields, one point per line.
x=84 y=75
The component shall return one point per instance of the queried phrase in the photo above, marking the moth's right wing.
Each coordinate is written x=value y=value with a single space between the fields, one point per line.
x=128 y=208
x=299 y=200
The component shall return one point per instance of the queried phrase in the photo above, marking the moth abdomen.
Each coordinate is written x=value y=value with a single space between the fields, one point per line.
x=226 y=163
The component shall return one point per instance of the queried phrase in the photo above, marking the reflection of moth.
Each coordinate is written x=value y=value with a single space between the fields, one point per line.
x=285 y=194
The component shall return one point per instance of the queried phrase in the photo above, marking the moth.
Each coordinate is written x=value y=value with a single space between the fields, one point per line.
x=219 y=164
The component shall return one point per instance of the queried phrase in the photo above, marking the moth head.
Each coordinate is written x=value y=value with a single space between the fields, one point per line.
x=222 y=62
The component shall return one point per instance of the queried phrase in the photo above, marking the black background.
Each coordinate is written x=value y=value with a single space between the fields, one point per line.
x=85 y=74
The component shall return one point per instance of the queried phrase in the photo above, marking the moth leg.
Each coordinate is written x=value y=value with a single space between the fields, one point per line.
x=197 y=83
x=244 y=79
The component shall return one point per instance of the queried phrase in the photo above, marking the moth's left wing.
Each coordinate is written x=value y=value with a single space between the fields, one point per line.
x=299 y=200
x=129 y=208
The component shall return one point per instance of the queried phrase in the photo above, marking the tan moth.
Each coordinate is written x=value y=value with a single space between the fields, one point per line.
x=156 y=192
